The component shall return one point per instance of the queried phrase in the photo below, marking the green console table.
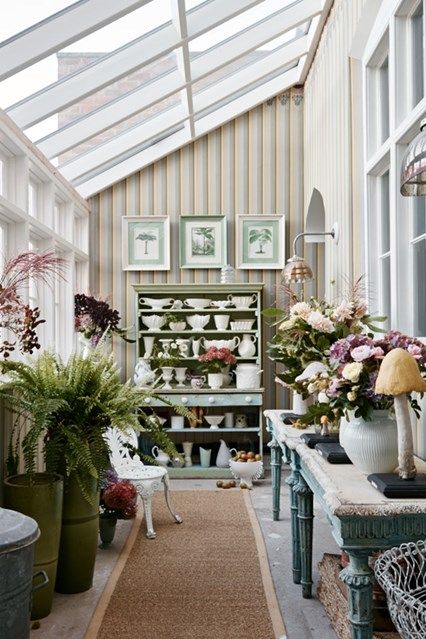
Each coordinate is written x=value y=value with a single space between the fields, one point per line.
x=363 y=521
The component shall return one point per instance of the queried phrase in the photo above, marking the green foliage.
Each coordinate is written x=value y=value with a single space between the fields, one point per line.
x=69 y=407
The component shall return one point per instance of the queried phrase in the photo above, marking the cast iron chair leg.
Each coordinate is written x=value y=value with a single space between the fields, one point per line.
x=166 y=481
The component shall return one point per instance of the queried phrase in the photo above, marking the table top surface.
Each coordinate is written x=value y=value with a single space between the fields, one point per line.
x=344 y=489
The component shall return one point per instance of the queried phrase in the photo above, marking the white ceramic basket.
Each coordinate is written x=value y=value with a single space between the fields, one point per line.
x=246 y=472
x=242 y=325
x=153 y=322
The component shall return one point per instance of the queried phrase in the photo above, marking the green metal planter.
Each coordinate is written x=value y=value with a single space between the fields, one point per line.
x=42 y=501
x=79 y=538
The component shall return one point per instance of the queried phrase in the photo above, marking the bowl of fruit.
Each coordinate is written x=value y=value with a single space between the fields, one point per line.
x=246 y=466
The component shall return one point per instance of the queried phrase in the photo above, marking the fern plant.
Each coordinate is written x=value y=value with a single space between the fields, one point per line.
x=69 y=407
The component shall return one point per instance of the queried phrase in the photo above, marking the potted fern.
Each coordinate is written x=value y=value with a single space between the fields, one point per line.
x=70 y=405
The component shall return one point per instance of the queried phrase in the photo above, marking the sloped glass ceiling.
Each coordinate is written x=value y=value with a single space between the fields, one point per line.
x=106 y=87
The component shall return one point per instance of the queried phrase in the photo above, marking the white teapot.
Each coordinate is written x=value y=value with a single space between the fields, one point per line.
x=143 y=375
x=161 y=457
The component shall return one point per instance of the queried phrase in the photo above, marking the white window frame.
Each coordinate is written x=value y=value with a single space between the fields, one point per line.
x=392 y=26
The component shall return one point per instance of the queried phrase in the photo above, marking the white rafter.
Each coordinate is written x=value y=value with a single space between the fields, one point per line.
x=247 y=73
x=148 y=94
x=57 y=31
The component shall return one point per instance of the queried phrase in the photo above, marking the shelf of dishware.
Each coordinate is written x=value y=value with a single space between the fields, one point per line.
x=198 y=311
x=213 y=331
x=223 y=431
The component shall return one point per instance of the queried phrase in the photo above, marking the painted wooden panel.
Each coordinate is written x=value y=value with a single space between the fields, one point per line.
x=252 y=164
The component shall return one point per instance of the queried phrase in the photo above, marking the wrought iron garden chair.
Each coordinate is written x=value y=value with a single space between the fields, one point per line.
x=146 y=479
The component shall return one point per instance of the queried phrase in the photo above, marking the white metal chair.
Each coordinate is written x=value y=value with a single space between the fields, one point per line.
x=146 y=479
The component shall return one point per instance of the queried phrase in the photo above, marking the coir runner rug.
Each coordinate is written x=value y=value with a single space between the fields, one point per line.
x=207 y=578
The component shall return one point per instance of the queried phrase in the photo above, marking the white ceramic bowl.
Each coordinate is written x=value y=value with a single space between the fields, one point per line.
x=153 y=322
x=220 y=343
x=242 y=301
x=197 y=302
x=213 y=420
x=242 y=325
x=198 y=322
x=246 y=472
x=221 y=303
x=157 y=303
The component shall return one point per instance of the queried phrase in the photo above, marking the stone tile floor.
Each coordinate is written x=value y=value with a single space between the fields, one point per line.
x=304 y=619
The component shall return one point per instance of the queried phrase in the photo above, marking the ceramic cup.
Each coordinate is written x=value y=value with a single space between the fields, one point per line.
x=198 y=381
x=177 y=422
x=221 y=322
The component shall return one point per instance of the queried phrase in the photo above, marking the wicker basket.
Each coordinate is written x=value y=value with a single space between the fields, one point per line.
x=401 y=572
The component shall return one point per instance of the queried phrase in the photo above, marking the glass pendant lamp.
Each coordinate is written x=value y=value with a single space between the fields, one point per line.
x=413 y=169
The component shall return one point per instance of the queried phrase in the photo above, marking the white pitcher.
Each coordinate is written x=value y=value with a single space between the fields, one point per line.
x=247 y=346
x=161 y=457
x=247 y=376
x=223 y=455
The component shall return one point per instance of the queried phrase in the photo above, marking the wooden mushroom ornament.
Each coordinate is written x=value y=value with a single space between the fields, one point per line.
x=399 y=375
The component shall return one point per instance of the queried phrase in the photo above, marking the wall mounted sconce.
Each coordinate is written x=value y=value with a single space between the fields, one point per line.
x=413 y=169
x=297 y=270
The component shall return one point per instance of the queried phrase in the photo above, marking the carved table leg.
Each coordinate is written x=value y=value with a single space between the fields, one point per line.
x=147 y=506
x=359 y=578
x=166 y=481
x=292 y=481
x=276 y=478
x=305 y=516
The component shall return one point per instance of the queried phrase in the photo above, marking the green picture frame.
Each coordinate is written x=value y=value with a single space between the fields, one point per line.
x=202 y=241
x=260 y=242
x=146 y=243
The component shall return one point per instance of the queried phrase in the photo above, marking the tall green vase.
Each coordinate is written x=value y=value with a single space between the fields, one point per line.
x=40 y=499
x=79 y=538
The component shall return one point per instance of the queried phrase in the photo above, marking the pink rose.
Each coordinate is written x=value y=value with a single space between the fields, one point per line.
x=414 y=350
x=360 y=353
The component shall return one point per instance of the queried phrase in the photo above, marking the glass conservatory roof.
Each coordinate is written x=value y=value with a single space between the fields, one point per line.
x=106 y=87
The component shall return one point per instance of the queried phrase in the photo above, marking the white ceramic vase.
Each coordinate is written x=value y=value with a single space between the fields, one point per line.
x=300 y=405
x=187 y=451
x=167 y=375
x=215 y=380
x=371 y=446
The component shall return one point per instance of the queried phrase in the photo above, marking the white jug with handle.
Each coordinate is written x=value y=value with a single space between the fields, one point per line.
x=161 y=457
x=247 y=376
x=247 y=346
x=223 y=455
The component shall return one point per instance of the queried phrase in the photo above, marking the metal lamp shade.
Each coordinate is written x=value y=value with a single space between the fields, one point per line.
x=297 y=271
x=413 y=170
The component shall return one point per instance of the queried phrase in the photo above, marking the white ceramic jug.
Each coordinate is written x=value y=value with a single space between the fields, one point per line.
x=247 y=346
x=247 y=376
x=143 y=375
x=223 y=455
x=161 y=457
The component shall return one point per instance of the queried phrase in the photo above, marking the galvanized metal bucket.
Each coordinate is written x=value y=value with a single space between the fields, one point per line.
x=18 y=534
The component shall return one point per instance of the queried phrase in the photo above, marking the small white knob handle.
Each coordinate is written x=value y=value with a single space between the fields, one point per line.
x=211 y=400
x=147 y=400
x=184 y=400
x=248 y=399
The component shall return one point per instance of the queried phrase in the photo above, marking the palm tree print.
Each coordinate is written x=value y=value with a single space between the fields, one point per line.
x=262 y=236
x=146 y=237
x=202 y=240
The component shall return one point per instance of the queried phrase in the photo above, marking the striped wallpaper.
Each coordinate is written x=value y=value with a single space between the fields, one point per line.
x=253 y=164
x=330 y=140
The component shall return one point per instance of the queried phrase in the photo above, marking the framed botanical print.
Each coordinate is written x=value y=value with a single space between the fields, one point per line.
x=202 y=241
x=260 y=241
x=146 y=242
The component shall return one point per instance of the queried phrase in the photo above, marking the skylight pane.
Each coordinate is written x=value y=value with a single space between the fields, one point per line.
x=231 y=27
x=16 y=17
x=293 y=34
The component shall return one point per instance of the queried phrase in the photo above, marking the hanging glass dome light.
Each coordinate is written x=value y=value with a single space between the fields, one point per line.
x=413 y=169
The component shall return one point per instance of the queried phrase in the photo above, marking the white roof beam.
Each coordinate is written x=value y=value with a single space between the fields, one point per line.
x=141 y=159
x=125 y=107
x=57 y=31
x=177 y=140
x=240 y=105
x=123 y=142
x=183 y=61
x=254 y=37
x=119 y=63
x=109 y=115
x=250 y=74
x=93 y=77
x=315 y=35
